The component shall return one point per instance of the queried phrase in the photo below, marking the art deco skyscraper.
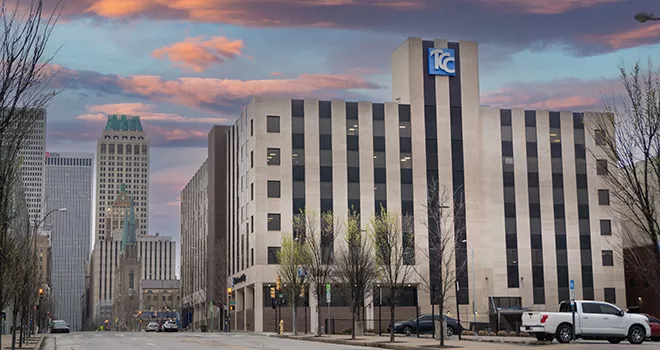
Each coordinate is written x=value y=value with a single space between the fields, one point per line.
x=123 y=157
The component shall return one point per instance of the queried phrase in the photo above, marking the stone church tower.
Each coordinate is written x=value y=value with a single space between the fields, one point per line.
x=126 y=303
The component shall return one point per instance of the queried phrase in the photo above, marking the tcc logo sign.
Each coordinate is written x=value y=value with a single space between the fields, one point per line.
x=442 y=62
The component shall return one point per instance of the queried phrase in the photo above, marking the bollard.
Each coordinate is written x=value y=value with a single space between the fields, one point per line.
x=281 y=327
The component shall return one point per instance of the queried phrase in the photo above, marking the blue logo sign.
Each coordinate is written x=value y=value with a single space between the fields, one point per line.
x=572 y=284
x=442 y=62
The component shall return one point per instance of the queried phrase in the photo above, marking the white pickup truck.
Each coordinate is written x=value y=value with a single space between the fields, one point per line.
x=593 y=320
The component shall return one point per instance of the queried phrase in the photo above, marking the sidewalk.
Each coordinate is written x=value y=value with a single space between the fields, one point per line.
x=410 y=343
x=30 y=344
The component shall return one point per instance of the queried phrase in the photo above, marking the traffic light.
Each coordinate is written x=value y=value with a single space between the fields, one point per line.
x=272 y=292
x=229 y=293
x=41 y=292
x=274 y=303
x=231 y=307
x=278 y=283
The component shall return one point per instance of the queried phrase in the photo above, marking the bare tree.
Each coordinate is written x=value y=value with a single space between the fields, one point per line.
x=436 y=268
x=355 y=267
x=24 y=93
x=316 y=232
x=392 y=240
x=292 y=257
x=627 y=151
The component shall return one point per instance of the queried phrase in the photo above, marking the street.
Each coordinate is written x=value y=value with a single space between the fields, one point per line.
x=247 y=341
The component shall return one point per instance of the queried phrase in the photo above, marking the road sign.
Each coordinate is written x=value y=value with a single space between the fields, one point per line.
x=328 y=297
x=232 y=302
x=572 y=287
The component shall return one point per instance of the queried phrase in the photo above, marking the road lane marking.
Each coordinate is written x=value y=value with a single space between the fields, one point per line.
x=133 y=339
x=150 y=344
x=119 y=335
x=98 y=335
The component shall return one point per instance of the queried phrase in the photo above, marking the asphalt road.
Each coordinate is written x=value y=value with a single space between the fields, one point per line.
x=247 y=341
x=180 y=341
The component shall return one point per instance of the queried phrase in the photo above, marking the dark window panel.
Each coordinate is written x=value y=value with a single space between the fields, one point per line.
x=513 y=280
x=560 y=242
x=354 y=205
x=379 y=144
x=297 y=108
x=406 y=144
x=274 y=222
x=534 y=210
x=511 y=241
x=380 y=175
x=610 y=295
x=532 y=149
x=507 y=148
x=530 y=118
x=510 y=210
x=508 y=179
x=557 y=181
x=585 y=242
x=601 y=167
x=555 y=150
x=272 y=124
x=326 y=174
x=407 y=208
x=404 y=113
x=580 y=151
x=533 y=180
x=379 y=205
x=354 y=174
x=352 y=110
x=456 y=123
x=555 y=120
x=273 y=255
x=326 y=205
x=325 y=142
x=352 y=143
x=581 y=180
x=608 y=258
x=273 y=156
x=298 y=173
x=583 y=211
x=578 y=121
x=406 y=176
x=505 y=117
x=600 y=137
x=560 y=211
x=603 y=197
x=298 y=205
x=298 y=141
x=274 y=189
x=605 y=227
x=325 y=109
x=537 y=242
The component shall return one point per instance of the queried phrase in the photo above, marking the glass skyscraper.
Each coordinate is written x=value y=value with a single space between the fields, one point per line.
x=69 y=185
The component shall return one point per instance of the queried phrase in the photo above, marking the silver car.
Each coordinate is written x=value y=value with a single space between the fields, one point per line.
x=152 y=327
x=170 y=326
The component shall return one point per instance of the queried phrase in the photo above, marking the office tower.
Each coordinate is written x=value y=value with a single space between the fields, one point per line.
x=122 y=158
x=33 y=168
x=526 y=198
x=69 y=185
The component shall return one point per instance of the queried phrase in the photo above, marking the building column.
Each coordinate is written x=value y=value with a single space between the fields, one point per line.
x=313 y=315
x=258 y=307
x=369 y=313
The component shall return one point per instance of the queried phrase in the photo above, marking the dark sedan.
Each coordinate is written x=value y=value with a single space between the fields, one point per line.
x=59 y=326
x=426 y=325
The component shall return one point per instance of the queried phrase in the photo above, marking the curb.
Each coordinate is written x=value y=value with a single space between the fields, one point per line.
x=383 y=345
x=40 y=344
x=502 y=341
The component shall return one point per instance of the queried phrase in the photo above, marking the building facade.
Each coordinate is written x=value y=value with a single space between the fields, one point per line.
x=528 y=203
x=69 y=185
x=123 y=158
x=126 y=296
x=194 y=235
x=163 y=295
x=32 y=170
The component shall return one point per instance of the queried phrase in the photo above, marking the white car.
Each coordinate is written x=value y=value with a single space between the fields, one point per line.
x=593 y=320
x=152 y=327
x=170 y=326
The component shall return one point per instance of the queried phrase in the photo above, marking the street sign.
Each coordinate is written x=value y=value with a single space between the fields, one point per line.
x=572 y=287
x=328 y=297
x=232 y=302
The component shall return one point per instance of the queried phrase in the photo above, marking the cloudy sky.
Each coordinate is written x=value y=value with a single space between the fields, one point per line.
x=184 y=65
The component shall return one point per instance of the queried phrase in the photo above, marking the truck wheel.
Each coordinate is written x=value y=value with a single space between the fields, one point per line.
x=636 y=334
x=564 y=333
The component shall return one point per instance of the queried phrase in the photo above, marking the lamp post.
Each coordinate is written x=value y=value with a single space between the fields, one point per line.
x=642 y=17
x=474 y=284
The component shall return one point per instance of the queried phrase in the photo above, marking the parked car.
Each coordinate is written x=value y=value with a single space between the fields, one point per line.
x=59 y=326
x=593 y=320
x=152 y=327
x=426 y=325
x=170 y=326
x=654 y=323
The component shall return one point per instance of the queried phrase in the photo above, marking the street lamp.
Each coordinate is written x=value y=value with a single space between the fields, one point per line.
x=642 y=17
x=474 y=284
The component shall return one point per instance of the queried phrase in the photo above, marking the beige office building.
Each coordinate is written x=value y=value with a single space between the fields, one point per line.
x=536 y=211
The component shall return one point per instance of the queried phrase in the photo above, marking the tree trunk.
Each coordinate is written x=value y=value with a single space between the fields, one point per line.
x=293 y=324
x=13 y=329
x=353 y=323
x=318 y=318
x=441 y=307
x=391 y=322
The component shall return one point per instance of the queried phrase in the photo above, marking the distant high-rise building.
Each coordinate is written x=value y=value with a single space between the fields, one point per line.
x=123 y=158
x=33 y=167
x=68 y=183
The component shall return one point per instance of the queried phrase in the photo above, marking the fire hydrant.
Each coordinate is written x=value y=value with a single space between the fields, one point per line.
x=281 y=327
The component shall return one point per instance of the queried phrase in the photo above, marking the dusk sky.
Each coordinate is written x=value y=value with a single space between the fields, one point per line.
x=185 y=65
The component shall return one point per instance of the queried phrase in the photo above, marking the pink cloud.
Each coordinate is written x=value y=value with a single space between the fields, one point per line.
x=563 y=94
x=145 y=111
x=543 y=7
x=648 y=33
x=197 y=53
